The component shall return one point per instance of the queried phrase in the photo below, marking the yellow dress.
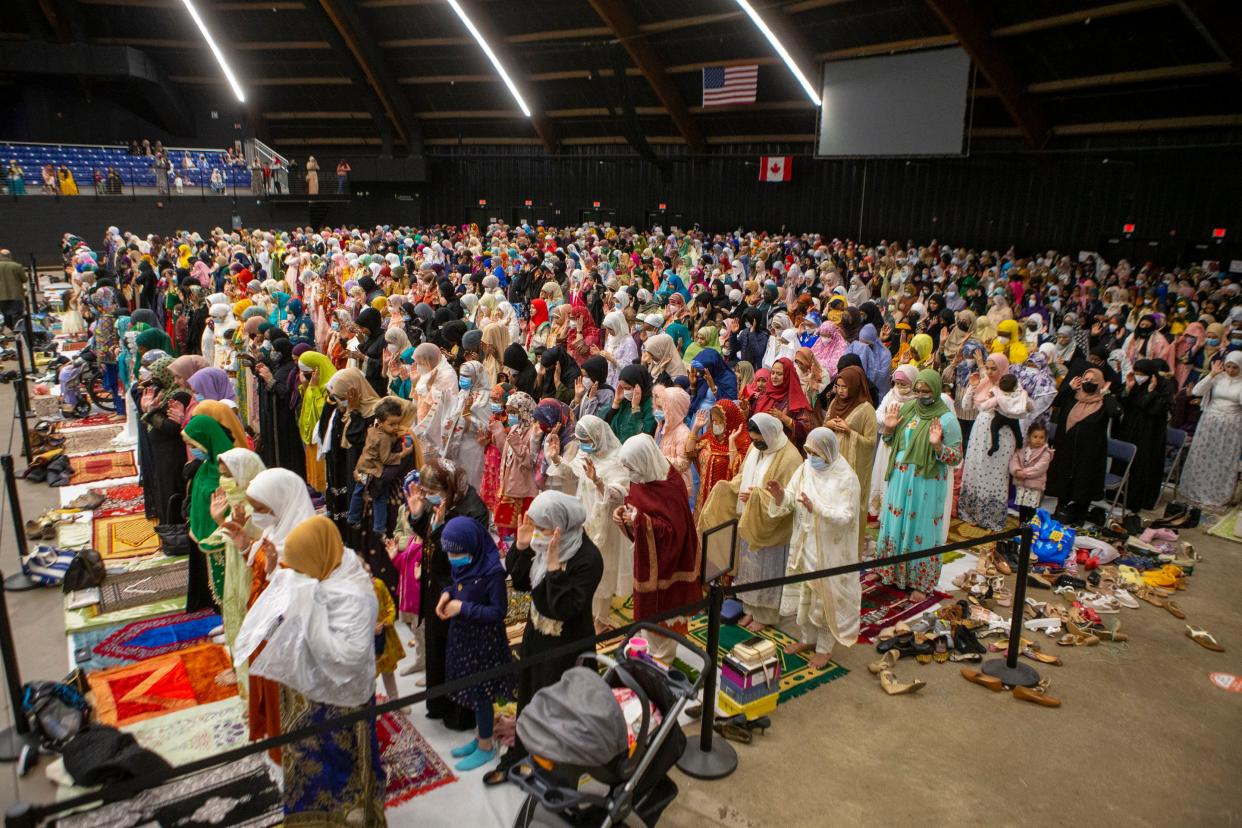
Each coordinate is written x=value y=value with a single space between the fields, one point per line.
x=387 y=661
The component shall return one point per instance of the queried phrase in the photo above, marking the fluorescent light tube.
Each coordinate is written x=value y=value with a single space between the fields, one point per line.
x=215 y=50
x=780 y=50
x=487 y=50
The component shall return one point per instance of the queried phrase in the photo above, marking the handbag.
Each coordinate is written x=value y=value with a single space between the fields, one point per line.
x=753 y=651
x=86 y=570
x=174 y=537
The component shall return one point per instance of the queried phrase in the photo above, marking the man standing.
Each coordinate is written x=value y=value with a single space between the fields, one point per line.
x=12 y=289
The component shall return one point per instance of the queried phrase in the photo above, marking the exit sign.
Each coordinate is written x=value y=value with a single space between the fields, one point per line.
x=482 y=202
x=1218 y=232
x=529 y=202
x=663 y=206
x=1127 y=228
x=594 y=203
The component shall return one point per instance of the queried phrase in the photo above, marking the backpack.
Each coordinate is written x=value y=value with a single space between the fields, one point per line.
x=57 y=712
x=86 y=570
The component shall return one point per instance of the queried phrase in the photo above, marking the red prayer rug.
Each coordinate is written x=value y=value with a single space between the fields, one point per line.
x=411 y=765
x=883 y=606
x=89 y=468
x=160 y=685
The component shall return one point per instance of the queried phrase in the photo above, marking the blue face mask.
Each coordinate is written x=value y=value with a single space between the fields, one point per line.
x=513 y=419
x=497 y=408
x=586 y=448
x=434 y=499
x=818 y=463
x=198 y=454
x=659 y=415
x=458 y=561
x=199 y=397
x=1213 y=341
x=463 y=383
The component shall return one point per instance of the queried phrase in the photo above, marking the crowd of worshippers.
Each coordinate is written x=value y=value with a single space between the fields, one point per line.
x=562 y=408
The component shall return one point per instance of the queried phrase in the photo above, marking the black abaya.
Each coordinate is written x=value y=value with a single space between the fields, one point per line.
x=162 y=470
x=1076 y=475
x=1144 y=422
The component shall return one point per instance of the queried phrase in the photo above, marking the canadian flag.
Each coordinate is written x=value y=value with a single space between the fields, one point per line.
x=775 y=167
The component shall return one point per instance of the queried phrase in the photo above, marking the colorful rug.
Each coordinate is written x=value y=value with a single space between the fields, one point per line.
x=160 y=685
x=126 y=496
x=97 y=419
x=797 y=677
x=124 y=536
x=146 y=586
x=1224 y=527
x=89 y=468
x=516 y=615
x=241 y=793
x=120 y=644
x=186 y=735
x=88 y=440
x=90 y=618
x=413 y=768
x=883 y=606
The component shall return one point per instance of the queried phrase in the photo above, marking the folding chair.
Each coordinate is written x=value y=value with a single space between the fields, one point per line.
x=1176 y=441
x=1119 y=450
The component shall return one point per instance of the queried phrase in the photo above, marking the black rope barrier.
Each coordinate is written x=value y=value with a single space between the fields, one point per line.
x=26 y=815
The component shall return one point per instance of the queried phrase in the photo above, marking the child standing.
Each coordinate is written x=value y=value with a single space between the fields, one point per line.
x=1028 y=466
x=475 y=606
x=388 y=649
x=379 y=465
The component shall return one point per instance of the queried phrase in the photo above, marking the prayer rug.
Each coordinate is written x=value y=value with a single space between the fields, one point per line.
x=883 y=606
x=1224 y=528
x=187 y=735
x=90 y=618
x=87 y=440
x=797 y=677
x=125 y=536
x=115 y=645
x=89 y=468
x=411 y=765
x=145 y=586
x=96 y=419
x=126 y=496
x=242 y=793
x=160 y=685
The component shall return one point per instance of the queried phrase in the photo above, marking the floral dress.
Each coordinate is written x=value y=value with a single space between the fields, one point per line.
x=913 y=509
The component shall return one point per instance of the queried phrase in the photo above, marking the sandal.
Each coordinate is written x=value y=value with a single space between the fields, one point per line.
x=1077 y=638
x=1203 y=638
x=1174 y=610
x=1001 y=593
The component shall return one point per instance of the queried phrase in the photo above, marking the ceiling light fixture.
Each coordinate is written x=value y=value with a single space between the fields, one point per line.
x=487 y=50
x=780 y=50
x=215 y=50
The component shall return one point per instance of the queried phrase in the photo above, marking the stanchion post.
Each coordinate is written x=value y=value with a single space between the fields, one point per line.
x=19 y=582
x=22 y=400
x=15 y=738
x=707 y=759
x=1009 y=670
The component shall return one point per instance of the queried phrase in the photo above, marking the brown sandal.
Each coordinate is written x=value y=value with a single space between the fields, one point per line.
x=1174 y=609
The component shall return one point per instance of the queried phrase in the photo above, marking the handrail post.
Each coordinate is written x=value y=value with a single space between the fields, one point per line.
x=1009 y=670
x=706 y=760
x=19 y=581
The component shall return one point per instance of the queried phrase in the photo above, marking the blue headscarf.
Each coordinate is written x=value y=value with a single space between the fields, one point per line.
x=712 y=362
x=466 y=536
x=875 y=358
x=965 y=363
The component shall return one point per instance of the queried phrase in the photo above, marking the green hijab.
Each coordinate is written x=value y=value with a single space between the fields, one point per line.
x=713 y=342
x=153 y=339
x=211 y=437
x=918 y=445
x=163 y=377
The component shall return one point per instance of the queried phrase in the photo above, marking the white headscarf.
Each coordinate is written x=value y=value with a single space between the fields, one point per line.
x=756 y=463
x=552 y=510
x=643 y=459
x=593 y=430
x=616 y=326
x=284 y=492
x=243 y=465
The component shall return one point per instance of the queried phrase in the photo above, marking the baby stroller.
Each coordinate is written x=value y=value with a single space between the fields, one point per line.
x=576 y=728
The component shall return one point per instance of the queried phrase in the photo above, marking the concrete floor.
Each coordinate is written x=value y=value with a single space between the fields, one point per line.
x=1143 y=738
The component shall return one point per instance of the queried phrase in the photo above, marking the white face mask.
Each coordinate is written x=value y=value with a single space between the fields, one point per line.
x=540 y=542
x=1141 y=378
x=717 y=429
x=263 y=520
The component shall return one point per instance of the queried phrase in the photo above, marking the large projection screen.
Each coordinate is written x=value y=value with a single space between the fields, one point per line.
x=910 y=104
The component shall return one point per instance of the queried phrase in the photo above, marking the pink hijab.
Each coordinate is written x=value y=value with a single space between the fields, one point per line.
x=985 y=382
x=829 y=348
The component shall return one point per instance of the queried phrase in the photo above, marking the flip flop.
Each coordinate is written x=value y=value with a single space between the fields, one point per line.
x=1174 y=609
x=1204 y=639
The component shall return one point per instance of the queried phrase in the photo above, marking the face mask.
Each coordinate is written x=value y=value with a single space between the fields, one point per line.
x=586 y=448
x=336 y=326
x=198 y=454
x=1004 y=340
x=229 y=485
x=659 y=416
x=458 y=561
x=540 y=542
x=263 y=520
x=434 y=499
x=497 y=408
x=1090 y=387
x=964 y=327
x=1112 y=329
x=1141 y=378
x=463 y=383
x=759 y=444
x=513 y=420
x=1213 y=341
x=818 y=463
x=927 y=401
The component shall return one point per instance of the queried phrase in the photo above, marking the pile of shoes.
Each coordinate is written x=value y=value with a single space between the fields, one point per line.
x=51 y=467
x=882 y=668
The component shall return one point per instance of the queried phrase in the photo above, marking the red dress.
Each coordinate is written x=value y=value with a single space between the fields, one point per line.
x=666 y=546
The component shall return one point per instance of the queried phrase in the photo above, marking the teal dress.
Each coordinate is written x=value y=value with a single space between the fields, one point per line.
x=913 y=511
x=626 y=422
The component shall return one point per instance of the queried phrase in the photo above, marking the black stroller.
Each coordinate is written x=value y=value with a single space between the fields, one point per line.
x=575 y=729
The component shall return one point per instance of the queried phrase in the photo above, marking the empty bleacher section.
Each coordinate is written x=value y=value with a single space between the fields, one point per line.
x=91 y=167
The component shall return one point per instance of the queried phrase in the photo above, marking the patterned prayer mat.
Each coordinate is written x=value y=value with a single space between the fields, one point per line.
x=97 y=419
x=797 y=677
x=160 y=685
x=243 y=793
x=144 y=586
x=883 y=606
x=411 y=765
x=190 y=734
x=90 y=618
x=1224 y=527
x=92 y=439
x=124 y=536
x=127 y=496
x=120 y=644
x=89 y=468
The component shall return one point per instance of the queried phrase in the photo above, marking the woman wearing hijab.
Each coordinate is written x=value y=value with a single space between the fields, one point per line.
x=763 y=540
x=495 y=344
x=207 y=440
x=925 y=443
x=1040 y=386
x=280 y=444
x=227 y=418
x=556 y=561
x=349 y=411
x=656 y=517
x=829 y=348
x=985 y=474
x=710 y=380
x=717 y=444
x=632 y=405
x=317 y=618
x=602 y=486
x=852 y=418
x=592 y=393
x=462 y=424
x=812 y=377
x=371 y=350
x=314 y=372
x=619 y=349
x=784 y=399
x=1210 y=472
x=921 y=350
x=557 y=373
x=213 y=384
x=555 y=423
x=1008 y=342
x=824 y=497
x=705 y=338
x=1076 y=475
x=671 y=406
x=1147 y=342
x=970 y=362
x=163 y=405
x=521 y=371
x=662 y=359
x=1145 y=404
x=520 y=443
x=301 y=327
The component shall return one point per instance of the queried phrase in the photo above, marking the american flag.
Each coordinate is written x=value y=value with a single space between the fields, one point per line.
x=724 y=85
